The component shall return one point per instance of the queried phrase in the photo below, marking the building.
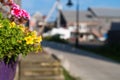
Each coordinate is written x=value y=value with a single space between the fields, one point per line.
x=37 y=22
x=96 y=21
x=110 y=22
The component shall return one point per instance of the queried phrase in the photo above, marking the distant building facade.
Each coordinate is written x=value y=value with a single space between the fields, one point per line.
x=37 y=22
x=109 y=20
x=98 y=21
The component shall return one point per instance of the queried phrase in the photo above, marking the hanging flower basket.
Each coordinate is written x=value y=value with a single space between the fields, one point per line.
x=7 y=71
x=15 y=39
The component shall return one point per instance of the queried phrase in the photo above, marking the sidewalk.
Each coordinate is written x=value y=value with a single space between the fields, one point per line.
x=86 y=65
x=40 y=66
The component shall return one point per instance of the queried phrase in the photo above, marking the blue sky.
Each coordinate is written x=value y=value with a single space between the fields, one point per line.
x=44 y=6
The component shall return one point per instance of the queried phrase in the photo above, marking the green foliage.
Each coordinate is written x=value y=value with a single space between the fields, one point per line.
x=67 y=76
x=12 y=41
x=55 y=38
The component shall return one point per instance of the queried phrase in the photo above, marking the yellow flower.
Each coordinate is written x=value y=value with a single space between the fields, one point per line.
x=34 y=36
x=34 y=33
x=38 y=39
x=12 y=24
x=38 y=48
x=1 y=25
x=19 y=41
x=29 y=40
x=22 y=28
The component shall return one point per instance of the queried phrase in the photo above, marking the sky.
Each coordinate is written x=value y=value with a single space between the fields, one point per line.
x=44 y=6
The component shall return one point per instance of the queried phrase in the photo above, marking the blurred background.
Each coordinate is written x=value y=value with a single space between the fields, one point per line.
x=82 y=36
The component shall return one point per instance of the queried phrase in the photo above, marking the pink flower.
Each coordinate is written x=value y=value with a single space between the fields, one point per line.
x=20 y=13
x=16 y=12
x=13 y=5
x=25 y=14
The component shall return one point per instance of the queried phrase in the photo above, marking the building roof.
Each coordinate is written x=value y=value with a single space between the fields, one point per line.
x=105 y=12
x=38 y=16
x=84 y=16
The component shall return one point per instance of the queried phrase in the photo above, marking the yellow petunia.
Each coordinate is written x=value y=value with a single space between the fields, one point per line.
x=29 y=40
x=34 y=36
x=38 y=48
x=38 y=39
x=22 y=28
x=12 y=24
x=34 y=33
x=1 y=25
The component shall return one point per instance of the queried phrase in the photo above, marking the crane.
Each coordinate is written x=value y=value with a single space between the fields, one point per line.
x=57 y=5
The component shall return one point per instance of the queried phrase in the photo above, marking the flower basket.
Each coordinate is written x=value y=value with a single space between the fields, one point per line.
x=7 y=71
x=15 y=39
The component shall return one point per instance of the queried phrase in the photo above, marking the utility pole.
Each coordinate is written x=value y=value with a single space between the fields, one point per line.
x=77 y=24
x=77 y=21
x=59 y=8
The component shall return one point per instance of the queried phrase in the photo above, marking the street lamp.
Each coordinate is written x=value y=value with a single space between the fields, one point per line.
x=77 y=21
